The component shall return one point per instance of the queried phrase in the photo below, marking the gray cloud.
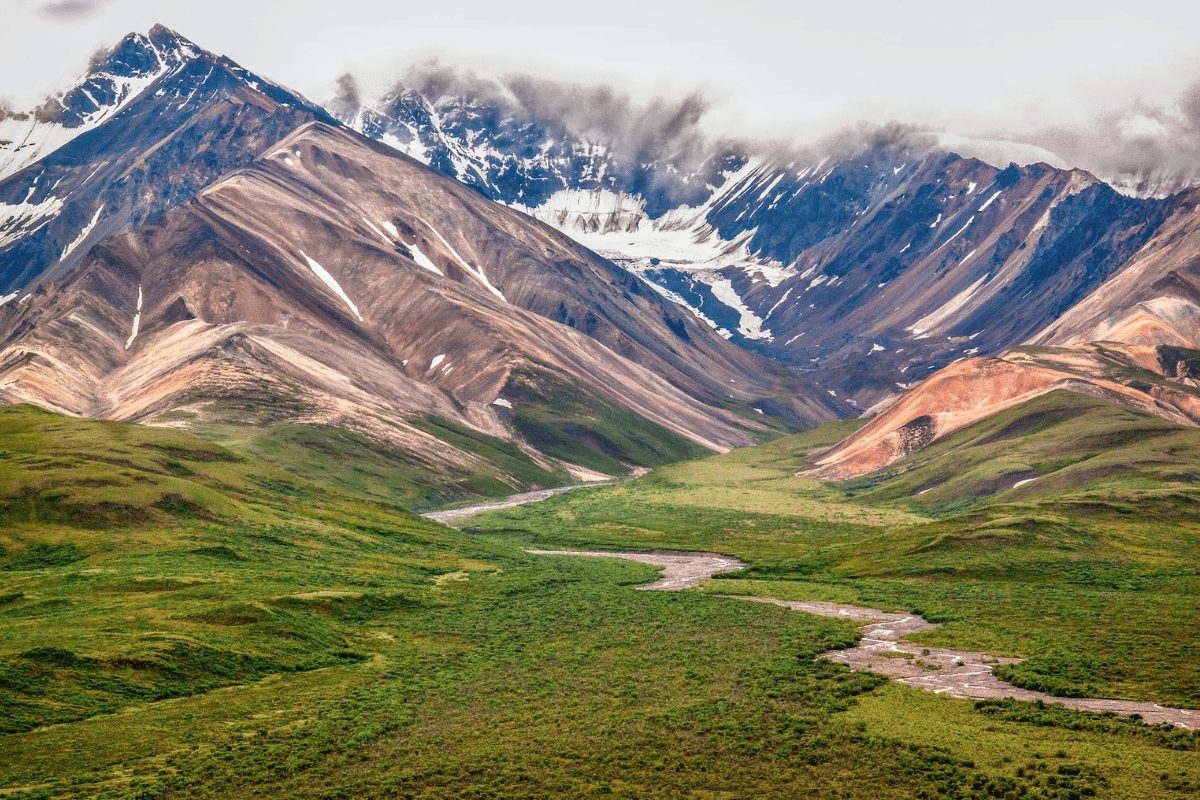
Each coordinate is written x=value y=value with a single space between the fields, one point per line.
x=70 y=9
x=662 y=129
x=636 y=133
x=1143 y=147
x=347 y=99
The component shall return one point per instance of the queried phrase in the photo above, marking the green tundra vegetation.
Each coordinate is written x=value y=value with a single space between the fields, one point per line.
x=180 y=619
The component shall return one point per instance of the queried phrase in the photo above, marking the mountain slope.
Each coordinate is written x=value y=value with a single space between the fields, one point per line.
x=1134 y=339
x=1159 y=381
x=196 y=117
x=337 y=282
x=868 y=265
x=114 y=79
x=1153 y=300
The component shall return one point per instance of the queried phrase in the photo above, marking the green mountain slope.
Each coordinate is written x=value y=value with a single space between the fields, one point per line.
x=141 y=563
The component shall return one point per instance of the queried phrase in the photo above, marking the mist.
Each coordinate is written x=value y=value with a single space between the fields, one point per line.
x=635 y=132
x=1142 y=147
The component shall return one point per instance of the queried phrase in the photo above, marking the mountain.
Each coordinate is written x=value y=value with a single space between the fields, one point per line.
x=114 y=79
x=289 y=272
x=174 y=119
x=1134 y=339
x=868 y=266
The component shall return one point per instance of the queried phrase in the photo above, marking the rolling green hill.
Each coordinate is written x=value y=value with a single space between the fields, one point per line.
x=181 y=620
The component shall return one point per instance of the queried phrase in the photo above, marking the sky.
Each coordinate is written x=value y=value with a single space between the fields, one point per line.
x=795 y=70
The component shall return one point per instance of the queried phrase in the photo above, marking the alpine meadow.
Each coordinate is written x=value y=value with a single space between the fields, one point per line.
x=478 y=434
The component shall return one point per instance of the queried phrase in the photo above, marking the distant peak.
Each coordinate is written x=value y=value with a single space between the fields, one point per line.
x=165 y=38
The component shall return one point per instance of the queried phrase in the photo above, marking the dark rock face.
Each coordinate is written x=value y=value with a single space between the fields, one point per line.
x=517 y=157
x=958 y=259
x=203 y=117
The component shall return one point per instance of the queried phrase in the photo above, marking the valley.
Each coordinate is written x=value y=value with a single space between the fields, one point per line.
x=340 y=446
x=257 y=634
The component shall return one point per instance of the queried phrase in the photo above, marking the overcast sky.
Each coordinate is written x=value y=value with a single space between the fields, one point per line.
x=776 y=69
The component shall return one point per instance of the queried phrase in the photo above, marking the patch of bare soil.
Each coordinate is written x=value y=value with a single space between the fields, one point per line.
x=957 y=673
x=680 y=570
x=451 y=516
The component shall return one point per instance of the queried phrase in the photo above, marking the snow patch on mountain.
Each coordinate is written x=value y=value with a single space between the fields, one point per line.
x=21 y=219
x=83 y=234
x=990 y=200
x=332 y=283
x=378 y=232
x=590 y=211
x=477 y=272
x=680 y=300
x=751 y=325
x=423 y=260
x=137 y=320
x=954 y=305
x=102 y=93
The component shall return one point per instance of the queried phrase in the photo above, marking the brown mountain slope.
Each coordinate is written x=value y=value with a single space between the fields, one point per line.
x=972 y=390
x=336 y=281
x=1153 y=300
x=1135 y=339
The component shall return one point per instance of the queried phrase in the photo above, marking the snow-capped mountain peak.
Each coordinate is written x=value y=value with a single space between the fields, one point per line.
x=113 y=79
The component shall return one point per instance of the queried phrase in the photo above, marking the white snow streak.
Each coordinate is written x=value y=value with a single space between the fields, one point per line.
x=782 y=300
x=989 y=201
x=83 y=234
x=437 y=360
x=750 y=325
x=7 y=297
x=22 y=219
x=137 y=320
x=478 y=273
x=423 y=260
x=956 y=304
x=378 y=232
x=329 y=281
x=500 y=401
x=955 y=236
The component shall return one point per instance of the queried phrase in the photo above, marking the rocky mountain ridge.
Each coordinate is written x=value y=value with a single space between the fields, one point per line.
x=291 y=272
x=226 y=238
x=868 y=268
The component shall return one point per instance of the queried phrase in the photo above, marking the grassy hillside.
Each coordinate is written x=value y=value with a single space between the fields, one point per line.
x=139 y=564
x=1060 y=446
x=180 y=620
x=1089 y=571
x=338 y=457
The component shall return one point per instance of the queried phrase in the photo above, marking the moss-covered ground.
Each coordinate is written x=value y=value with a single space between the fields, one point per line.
x=179 y=620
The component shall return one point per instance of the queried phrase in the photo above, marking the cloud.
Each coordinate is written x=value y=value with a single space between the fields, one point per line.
x=634 y=132
x=347 y=99
x=70 y=9
x=1142 y=147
